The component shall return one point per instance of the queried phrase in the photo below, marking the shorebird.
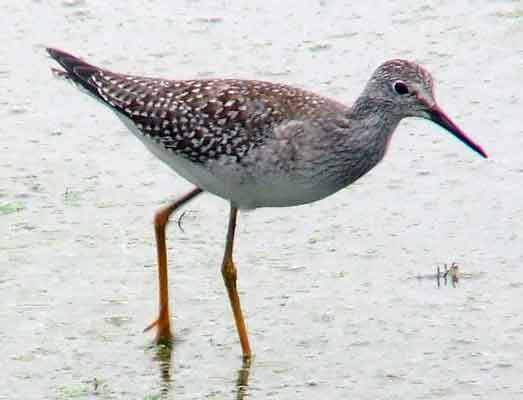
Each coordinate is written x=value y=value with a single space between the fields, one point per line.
x=257 y=144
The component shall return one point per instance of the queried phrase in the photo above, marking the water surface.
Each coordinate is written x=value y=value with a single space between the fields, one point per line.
x=330 y=291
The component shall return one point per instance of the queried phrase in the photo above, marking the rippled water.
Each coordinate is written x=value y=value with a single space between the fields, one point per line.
x=337 y=297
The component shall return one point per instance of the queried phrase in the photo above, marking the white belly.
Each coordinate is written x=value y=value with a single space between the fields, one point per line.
x=227 y=179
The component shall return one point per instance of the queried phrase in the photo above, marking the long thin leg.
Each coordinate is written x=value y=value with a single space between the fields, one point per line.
x=161 y=218
x=229 y=276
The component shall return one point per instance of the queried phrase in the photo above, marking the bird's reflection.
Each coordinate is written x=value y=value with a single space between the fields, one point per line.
x=164 y=358
x=242 y=382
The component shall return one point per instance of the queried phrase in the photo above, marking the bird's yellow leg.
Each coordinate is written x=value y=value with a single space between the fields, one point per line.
x=229 y=276
x=161 y=219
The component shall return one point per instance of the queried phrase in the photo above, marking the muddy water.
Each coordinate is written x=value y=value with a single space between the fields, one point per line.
x=334 y=305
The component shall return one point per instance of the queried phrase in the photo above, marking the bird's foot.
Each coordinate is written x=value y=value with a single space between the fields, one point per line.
x=164 y=336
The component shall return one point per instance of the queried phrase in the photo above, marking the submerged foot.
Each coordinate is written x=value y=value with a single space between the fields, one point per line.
x=164 y=336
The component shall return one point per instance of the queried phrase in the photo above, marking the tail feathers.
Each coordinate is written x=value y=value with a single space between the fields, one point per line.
x=76 y=71
x=74 y=65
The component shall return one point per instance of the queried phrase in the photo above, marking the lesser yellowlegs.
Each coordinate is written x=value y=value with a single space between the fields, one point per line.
x=257 y=144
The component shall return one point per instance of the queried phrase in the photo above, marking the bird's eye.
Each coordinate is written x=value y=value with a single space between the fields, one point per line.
x=400 y=87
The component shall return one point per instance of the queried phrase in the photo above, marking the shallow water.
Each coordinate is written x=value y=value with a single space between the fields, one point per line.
x=333 y=303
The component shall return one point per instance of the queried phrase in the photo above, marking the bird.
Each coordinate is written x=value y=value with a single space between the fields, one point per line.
x=257 y=143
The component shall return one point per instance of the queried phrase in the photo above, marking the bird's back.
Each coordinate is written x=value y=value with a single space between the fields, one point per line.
x=198 y=119
x=255 y=143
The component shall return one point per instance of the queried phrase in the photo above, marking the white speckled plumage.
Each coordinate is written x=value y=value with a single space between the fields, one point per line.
x=257 y=144
x=261 y=144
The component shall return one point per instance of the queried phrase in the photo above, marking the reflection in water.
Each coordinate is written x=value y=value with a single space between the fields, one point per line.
x=164 y=359
x=243 y=379
x=163 y=356
x=453 y=273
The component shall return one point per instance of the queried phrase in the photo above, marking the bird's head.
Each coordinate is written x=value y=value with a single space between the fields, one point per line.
x=409 y=89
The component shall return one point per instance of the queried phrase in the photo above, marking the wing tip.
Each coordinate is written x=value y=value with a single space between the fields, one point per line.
x=74 y=69
x=68 y=61
x=57 y=53
x=60 y=73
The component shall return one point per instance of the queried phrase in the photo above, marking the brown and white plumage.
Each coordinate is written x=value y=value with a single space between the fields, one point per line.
x=257 y=143
x=237 y=130
x=199 y=119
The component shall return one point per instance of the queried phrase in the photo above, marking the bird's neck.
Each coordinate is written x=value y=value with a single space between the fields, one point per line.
x=376 y=116
x=364 y=133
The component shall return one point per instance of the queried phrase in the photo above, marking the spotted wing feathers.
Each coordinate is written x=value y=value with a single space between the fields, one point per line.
x=199 y=119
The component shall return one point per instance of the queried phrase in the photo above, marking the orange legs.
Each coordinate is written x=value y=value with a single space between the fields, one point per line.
x=161 y=218
x=229 y=276
x=162 y=323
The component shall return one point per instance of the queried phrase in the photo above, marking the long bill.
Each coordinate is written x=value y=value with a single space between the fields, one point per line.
x=439 y=117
